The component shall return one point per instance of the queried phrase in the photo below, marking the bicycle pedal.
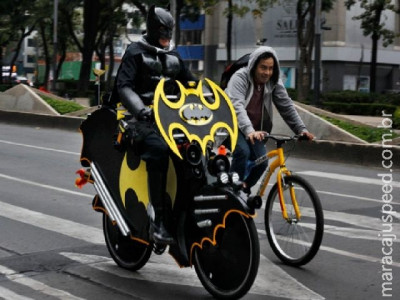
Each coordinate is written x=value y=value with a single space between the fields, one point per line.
x=159 y=249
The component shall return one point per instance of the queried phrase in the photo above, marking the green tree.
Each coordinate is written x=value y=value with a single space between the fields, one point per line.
x=19 y=23
x=5 y=31
x=232 y=9
x=373 y=24
x=305 y=38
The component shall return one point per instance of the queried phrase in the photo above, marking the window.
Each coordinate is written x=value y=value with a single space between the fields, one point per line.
x=31 y=43
x=191 y=37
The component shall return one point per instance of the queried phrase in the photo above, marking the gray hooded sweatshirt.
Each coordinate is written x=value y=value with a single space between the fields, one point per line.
x=240 y=89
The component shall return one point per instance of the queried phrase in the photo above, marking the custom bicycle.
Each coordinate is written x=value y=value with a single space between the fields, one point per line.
x=211 y=221
x=294 y=220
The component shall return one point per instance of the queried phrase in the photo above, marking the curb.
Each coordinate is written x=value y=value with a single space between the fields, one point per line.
x=40 y=120
x=372 y=155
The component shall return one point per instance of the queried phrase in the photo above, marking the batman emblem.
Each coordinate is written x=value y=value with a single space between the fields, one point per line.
x=195 y=114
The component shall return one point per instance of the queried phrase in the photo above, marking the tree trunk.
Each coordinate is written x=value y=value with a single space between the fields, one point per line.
x=229 y=34
x=374 y=51
x=46 y=55
x=61 y=60
x=372 y=70
x=17 y=50
x=305 y=37
x=108 y=86
x=90 y=27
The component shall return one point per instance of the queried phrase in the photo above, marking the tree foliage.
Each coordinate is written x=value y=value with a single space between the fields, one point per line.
x=19 y=22
x=232 y=9
x=373 y=23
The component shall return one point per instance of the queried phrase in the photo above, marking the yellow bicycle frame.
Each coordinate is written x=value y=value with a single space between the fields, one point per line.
x=279 y=162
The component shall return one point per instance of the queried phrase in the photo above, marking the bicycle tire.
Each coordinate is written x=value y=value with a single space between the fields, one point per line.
x=228 y=269
x=294 y=242
x=126 y=252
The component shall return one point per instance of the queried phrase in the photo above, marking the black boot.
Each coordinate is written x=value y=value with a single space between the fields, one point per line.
x=156 y=184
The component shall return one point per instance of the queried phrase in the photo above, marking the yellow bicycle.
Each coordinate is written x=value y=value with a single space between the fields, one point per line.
x=294 y=220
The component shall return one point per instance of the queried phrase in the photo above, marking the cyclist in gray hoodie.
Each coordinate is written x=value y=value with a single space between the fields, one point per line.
x=252 y=90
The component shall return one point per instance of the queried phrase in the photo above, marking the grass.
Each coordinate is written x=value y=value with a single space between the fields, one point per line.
x=62 y=106
x=366 y=133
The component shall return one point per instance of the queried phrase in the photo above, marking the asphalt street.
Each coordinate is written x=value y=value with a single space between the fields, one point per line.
x=52 y=245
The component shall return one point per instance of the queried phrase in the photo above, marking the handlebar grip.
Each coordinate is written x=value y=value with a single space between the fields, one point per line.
x=303 y=137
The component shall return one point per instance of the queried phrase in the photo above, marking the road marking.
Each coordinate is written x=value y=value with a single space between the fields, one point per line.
x=339 y=195
x=161 y=263
x=39 y=148
x=355 y=197
x=344 y=253
x=50 y=187
x=14 y=276
x=8 y=294
x=271 y=280
x=349 y=232
x=352 y=219
x=69 y=228
x=356 y=220
x=343 y=177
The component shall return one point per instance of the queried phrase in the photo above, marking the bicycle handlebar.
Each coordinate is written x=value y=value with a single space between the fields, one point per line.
x=285 y=138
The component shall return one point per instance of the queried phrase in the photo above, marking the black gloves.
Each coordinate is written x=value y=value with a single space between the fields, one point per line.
x=146 y=114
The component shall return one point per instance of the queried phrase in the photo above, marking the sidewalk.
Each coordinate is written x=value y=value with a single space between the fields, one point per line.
x=371 y=121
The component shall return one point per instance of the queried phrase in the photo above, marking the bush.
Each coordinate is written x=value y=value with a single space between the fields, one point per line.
x=348 y=97
x=365 y=133
x=365 y=109
x=396 y=118
x=390 y=98
x=292 y=93
x=61 y=106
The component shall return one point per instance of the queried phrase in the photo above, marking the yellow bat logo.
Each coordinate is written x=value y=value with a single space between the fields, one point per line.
x=195 y=115
x=136 y=179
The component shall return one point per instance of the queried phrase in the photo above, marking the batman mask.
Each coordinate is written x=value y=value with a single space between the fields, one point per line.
x=159 y=24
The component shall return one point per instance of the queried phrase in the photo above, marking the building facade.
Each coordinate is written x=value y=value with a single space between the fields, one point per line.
x=345 y=51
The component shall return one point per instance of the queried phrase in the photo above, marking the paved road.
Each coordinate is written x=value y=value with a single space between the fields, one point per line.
x=52 y=247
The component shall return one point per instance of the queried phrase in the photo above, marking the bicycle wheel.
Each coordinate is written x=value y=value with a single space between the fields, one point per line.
x=295 y=242
x=228 y=269
x=127 y=253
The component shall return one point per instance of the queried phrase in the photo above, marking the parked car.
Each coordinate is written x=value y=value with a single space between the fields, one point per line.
x=21 y=79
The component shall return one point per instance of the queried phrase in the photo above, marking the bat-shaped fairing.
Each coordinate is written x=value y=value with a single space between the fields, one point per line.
x=195 y=114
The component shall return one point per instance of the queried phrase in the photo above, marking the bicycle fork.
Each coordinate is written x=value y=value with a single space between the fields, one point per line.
x=281 y=182
x=279 y=163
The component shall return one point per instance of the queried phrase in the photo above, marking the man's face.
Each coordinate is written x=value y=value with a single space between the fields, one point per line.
x=264 y=70
x=165 y=36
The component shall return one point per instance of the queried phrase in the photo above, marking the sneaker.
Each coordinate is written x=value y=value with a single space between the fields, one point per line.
x=161 y=234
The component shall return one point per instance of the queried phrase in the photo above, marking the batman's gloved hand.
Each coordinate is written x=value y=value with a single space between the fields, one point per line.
x=146 y=114
x=142 y=127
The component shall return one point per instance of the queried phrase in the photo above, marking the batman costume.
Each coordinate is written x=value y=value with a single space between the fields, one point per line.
x=143 y=65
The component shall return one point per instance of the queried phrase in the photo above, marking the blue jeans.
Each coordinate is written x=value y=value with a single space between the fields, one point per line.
x=244 y=152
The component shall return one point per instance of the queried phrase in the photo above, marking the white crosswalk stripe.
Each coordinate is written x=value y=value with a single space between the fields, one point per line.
x=343 y=177
x=35 y=284
x=8 y=294
x=271 y=279
x=158 y=267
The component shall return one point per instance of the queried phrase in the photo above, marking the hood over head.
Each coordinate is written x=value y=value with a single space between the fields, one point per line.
x=159 y=24
x=263 y=52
